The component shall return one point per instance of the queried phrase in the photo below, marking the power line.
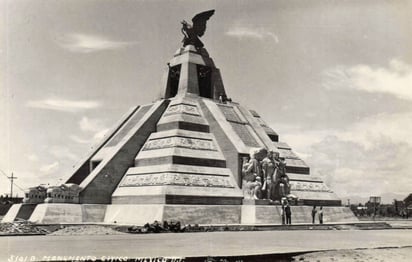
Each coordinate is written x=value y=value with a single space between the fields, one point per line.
x=4 y=174
x=12 y=178
x=22 y=189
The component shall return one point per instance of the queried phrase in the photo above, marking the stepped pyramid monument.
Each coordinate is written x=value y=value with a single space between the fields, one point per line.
x=183 y=158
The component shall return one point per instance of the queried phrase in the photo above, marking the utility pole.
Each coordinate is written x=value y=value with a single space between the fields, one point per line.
x=12 y=177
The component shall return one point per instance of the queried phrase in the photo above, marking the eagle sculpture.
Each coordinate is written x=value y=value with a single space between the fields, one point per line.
x=193 y=32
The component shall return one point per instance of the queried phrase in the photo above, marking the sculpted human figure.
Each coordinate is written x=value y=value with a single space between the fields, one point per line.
x=277 y=161
x=245 y=176
x=281 y=187
x=283 y=178
x=251 y=171
x=268 y=169
x=257 y=188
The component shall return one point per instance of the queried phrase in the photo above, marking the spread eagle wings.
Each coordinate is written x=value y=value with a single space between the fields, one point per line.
x=199 y=22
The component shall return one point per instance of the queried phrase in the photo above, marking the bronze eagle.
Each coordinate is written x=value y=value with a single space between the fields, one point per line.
x=193 y=32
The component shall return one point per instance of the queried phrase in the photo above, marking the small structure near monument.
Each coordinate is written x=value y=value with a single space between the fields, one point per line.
x=184 y=158
x=35 y=195
x=65 y=193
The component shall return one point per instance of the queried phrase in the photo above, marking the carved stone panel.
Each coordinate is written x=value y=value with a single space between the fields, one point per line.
x=286 y=153
x=308 y=186
x=179 y=179
x=186 y=142
x=182 y=108
x=230 y=114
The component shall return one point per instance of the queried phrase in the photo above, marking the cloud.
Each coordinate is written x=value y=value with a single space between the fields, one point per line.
x=96 y=137
x=396 y=127
x=63 y=153
x=368 y=157
x=88 y=125
x=83 y=43
x=99 y=135
x=33 y=157
x=64 y=105
x=259 y=33
x=79 y=139
x=351 y=169
x=92 y=125
x=51 y=168
x=396 y=79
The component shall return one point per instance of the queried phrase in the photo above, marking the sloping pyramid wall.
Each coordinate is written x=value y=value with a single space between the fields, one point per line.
x=181 y=163
x=109 y=164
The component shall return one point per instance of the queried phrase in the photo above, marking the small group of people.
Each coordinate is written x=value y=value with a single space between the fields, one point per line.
x=286 y=213
x=265 y=178
x=320 y=214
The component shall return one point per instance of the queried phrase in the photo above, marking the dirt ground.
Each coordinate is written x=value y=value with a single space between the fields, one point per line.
x=402 y=254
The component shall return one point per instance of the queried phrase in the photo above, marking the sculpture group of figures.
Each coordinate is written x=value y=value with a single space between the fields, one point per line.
x=265 y=177
x=65 y=193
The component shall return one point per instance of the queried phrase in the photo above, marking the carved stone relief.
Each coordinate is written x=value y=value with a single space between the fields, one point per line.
x=186 y=142
x=180 y=179
x=182 y=108
x=309 y=186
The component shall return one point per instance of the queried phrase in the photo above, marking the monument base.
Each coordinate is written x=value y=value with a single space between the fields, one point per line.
x=186 y=214
x=263 y=214
x=68 y=213
x=252 y=213
x=19 y=211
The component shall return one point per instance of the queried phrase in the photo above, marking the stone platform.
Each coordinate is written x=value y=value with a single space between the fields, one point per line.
x=139 y=214
x=186 y=214
x=68 y=213
x=271 y=214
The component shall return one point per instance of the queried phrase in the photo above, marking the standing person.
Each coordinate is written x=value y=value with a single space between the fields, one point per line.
x=282 y=214
x=314 y=214
x=320 y=215
x=288 y=214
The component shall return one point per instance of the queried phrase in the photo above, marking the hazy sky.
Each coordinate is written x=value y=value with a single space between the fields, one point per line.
x=333 y=78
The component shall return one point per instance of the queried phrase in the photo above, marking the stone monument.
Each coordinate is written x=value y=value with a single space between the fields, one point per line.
x=183 y=157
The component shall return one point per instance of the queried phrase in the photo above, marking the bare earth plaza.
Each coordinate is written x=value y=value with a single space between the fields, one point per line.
x=197 y=174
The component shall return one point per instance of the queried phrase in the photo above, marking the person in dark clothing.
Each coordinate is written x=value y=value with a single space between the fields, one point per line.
x=314 y=214
x=288 y=214
x=321 y=215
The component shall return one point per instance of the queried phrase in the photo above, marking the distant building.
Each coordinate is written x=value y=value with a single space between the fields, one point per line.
x=408 y=205
x=408 y=200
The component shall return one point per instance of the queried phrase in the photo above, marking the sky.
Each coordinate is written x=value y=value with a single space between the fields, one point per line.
x=332 y=78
